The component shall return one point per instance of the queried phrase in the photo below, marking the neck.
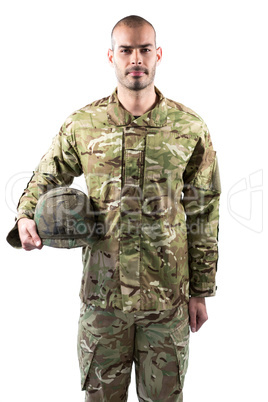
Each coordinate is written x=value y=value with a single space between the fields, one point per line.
x=137 y=102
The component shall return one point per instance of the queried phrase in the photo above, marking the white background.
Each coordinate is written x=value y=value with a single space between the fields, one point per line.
x=214 y=61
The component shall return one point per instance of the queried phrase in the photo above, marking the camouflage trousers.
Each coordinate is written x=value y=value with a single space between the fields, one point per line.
x=109 y=340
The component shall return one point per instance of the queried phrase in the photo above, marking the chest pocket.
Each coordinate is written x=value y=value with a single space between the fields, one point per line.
x=167 y=154
x=101 y=156
x=166 y=157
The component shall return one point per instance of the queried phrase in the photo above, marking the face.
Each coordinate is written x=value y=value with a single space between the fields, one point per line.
x=134 y=56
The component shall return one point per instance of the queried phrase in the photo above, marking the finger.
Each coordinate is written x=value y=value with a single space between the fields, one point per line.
x=27 y=241
x=192 y=314
x=29 y=247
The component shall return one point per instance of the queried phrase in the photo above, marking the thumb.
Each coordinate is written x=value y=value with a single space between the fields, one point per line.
x=33 y=233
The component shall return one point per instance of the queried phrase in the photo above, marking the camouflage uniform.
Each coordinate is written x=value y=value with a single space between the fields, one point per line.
x=154 y=185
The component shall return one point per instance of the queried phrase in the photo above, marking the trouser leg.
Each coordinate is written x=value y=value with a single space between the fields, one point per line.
x=161 y=355
x=105 y=349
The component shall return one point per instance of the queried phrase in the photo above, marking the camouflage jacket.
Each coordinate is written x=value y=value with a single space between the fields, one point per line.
x=154 y=184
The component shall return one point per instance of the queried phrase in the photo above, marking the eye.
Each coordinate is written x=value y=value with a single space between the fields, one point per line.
x=125 y=51
x=145 y=50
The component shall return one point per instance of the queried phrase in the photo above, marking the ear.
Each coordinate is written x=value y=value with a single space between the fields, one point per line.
x=158 y=55
x=111 y=56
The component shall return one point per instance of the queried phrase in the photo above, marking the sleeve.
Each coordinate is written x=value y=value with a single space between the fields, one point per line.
x=58 y=167
x=201 y=203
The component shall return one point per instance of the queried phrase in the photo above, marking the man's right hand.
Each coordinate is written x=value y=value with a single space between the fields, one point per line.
x=28 y=234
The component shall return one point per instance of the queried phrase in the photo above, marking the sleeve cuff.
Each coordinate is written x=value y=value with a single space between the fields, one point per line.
x=205 y=290
x=13 y=237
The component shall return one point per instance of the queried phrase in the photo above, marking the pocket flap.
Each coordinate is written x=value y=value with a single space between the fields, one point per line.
x=180 y=337
x=87 y=344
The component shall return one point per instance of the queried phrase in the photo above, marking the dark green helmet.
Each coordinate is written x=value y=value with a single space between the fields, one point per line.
x=65 y=218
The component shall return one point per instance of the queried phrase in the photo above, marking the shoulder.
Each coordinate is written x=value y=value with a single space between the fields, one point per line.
x=185 y=119
x=178 y=109
x=91 y=115
x=96 y=106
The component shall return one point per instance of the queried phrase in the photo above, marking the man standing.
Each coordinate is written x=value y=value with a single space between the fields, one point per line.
x=153 y=181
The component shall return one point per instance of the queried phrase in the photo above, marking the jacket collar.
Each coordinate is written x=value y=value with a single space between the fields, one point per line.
x=119 y=116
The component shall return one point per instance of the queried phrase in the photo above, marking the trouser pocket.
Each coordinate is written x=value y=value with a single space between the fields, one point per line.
x=86 y=347
x=180 y=338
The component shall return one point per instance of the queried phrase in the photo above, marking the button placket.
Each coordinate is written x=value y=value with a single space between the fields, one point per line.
x=130 y=220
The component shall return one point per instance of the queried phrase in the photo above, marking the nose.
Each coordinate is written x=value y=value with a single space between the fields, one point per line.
x=136 y=57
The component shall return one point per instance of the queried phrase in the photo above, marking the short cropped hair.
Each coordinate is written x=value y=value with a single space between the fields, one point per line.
x=132 y=21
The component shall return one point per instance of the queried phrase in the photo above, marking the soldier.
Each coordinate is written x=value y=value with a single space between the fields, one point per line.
x=153 y=184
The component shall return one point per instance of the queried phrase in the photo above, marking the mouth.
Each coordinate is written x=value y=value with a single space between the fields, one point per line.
x=136 y=73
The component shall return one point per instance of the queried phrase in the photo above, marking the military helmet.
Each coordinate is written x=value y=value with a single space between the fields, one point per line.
x=65 y=218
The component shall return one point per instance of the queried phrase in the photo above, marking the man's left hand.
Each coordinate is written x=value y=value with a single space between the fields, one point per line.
x=197 y=312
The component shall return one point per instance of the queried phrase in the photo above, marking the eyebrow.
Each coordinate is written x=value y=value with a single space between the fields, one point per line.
x=139 y=46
